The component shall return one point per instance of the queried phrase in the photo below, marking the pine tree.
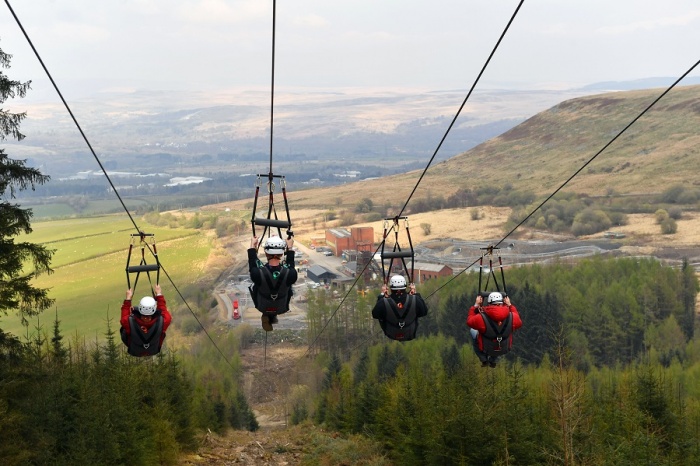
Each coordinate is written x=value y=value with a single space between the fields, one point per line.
x=58 y=353
x=16 y=291
x=452 y=321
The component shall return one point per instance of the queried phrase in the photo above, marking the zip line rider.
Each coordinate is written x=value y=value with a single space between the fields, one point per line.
x=492 y=326
x=398 y=311
x=143 y=327
x=272 y=282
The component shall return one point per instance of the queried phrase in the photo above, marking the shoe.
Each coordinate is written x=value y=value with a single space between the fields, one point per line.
x=492 y=364
x=266 y=323
x=484 y=363
x=273 y=319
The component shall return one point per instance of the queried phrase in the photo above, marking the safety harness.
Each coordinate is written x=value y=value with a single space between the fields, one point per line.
x=270 y=297
x=143 y=343
x=400 y=324
x=498 y=339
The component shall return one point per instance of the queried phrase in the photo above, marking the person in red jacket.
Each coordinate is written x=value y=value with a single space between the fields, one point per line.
x=143 y=327
x=492 y=327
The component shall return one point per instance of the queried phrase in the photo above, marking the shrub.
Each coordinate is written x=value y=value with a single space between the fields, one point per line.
x=590 y=221
x=669 y=226
x=675 y=213
x=347 y=218
x=364 y=206
x=190 y=326
x=671 y=194
x=617 y=218
x=661 y=216
x=373 y=217
x=688 y=197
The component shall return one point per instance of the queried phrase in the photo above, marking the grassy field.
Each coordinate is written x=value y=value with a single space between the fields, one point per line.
x=90 y=280
x=77 y=240
x=95 y=207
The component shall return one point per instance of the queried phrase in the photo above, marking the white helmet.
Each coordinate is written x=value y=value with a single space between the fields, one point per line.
x=397 y=282
x=495 y=298
x=147 y=306
x=274 y=245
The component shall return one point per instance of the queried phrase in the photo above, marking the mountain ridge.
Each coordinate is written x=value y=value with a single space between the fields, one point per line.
x=662 y=148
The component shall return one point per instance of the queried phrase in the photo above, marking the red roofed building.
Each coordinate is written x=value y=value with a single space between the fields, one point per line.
x=358 y=238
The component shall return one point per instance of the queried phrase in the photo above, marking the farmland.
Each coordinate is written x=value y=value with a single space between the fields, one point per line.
x=89 y=277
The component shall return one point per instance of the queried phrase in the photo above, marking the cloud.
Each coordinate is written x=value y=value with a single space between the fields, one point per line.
x=651 y=24
x=311 y=21
x=69 y=32
x=220 y=11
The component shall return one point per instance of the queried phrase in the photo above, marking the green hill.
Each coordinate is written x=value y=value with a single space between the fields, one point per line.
x=661 y=148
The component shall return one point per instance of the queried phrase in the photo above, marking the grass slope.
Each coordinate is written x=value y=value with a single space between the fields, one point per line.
x=661 y=148
x=89 y=278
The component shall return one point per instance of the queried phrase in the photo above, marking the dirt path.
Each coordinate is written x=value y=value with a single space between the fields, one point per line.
x=268 y=380
x=268 y=383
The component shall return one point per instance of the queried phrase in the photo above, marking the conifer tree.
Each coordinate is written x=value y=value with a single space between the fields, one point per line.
x=16 y=290
x=59 y=354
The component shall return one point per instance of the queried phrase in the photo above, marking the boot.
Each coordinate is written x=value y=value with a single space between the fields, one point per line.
x=266 y=325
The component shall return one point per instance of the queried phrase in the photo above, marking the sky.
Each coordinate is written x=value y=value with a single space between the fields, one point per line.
x=207 y=45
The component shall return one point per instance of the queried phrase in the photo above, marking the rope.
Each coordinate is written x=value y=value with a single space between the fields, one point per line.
x=272 y=86
x=272 y=119
x=464 y=102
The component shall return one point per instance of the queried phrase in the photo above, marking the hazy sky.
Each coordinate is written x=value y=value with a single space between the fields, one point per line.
x=423 y=44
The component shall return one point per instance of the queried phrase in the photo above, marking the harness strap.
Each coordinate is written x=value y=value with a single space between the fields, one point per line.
x=157 y=329
x=495 y=329
x=274 y=288
x=395 y=309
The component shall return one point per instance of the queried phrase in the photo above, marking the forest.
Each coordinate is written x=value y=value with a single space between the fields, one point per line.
x=68 y=403
x=606 y=370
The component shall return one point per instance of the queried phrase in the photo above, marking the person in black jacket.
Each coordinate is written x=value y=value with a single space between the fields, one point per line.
x=398 y=311
x=272 y=282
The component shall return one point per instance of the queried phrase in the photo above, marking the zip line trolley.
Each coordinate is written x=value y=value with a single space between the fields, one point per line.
x=142 y=241
x=397 y=252
x=489 y=251
x=272 y=220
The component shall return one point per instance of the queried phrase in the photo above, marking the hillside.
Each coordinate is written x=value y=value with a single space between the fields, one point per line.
x=661 y=148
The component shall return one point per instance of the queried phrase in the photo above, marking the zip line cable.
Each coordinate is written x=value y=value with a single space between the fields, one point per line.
x=464 y=102
x=622 y=131
x=449 y=128
x=270 y=176
x=272 y=84
x=328 y=321
x=196 y=318
x=94 y=154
